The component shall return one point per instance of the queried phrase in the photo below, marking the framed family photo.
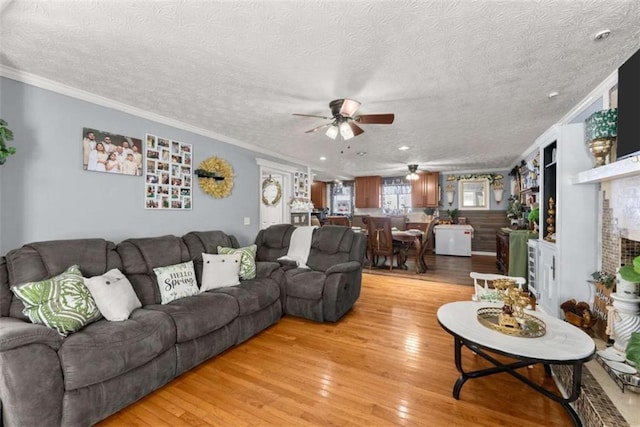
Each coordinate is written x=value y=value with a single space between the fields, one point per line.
x=104 y=151
x=168 y=173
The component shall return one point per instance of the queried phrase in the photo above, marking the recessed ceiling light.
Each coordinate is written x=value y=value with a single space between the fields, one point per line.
x=323 y=158
x=403 y=148
x=553 y=94
x=601 y=35
x=361 y=153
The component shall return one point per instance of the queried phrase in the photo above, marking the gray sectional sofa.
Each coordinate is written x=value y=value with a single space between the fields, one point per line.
x=77 y=380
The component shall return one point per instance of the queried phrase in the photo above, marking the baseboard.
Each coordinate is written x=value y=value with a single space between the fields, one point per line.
x=483 y=253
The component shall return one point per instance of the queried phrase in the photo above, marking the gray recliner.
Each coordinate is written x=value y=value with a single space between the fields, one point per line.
x=331 y=285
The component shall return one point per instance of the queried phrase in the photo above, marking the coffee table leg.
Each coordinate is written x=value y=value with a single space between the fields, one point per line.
x=458 y=358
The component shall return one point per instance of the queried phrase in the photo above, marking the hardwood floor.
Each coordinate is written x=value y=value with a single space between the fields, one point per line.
x=387 y=362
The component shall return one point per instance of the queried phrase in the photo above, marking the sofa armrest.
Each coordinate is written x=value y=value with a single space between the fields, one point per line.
x=16 y=333
x=345 y=267
x=266 y=268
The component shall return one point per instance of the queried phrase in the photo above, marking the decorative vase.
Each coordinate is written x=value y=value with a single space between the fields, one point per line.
x=623 y=319
x=626 y=289
x=601 y=129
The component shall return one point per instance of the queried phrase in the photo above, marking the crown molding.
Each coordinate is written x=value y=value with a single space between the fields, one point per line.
x=57 y=87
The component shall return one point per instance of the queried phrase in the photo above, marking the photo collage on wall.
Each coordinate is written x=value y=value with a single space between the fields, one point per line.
x=167 y=171
x=301 y=185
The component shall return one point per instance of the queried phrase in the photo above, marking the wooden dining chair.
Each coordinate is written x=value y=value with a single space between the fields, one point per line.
x=380 y=240
x=339 y=220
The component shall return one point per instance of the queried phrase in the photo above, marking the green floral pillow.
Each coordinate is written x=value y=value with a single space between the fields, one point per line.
x=248 y=261
x=62 y=302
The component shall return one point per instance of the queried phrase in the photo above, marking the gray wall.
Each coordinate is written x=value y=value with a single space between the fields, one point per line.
x=45 y=194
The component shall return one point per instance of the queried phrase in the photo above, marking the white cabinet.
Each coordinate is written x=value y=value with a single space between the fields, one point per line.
x=567 y=262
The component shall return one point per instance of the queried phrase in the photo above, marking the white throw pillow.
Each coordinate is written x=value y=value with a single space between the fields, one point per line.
x=219 y=271
x=176 y=281
x=113 y=294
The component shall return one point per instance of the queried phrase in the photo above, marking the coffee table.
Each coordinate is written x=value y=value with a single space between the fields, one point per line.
x=563 y=344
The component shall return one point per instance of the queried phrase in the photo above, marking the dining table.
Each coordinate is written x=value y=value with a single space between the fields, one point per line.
x=407 y=240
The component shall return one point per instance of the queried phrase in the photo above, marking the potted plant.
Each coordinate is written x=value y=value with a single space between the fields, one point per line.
x=533 y=217
x=453 y=215
x=606 y=279
x=429 y=213
x=5 y=136
x=629 y=279
x=514 y=209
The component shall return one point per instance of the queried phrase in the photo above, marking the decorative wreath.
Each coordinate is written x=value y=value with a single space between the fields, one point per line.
x=217 y=179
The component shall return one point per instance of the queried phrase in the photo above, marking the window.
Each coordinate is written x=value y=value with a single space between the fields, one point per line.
x=396 y=195
x=342 y=198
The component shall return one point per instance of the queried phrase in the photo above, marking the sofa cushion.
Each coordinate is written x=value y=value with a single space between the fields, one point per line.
x=141 y=256
x=113 y=294
x=248 y=262
x=199 y=315
x=304 y=283
x=219 y=271
x=41 y=260
x=62 y=302
x=176 y=281
x=105 y=350
x=253 y=295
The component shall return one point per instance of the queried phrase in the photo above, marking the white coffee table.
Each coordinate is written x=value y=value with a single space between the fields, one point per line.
x=563 y=344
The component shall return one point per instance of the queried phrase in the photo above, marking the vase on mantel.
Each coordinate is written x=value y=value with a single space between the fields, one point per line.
x=622 y=320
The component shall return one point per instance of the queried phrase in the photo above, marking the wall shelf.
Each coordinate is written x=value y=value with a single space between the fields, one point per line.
x=620 y=169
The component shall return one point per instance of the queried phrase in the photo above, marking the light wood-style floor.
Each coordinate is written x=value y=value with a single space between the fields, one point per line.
x=387 y=362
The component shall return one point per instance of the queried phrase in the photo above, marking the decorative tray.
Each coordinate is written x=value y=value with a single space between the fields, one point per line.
x=530 y=326
x=623 y=381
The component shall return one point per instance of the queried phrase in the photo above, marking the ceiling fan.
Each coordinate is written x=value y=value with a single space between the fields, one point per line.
x=343 y=120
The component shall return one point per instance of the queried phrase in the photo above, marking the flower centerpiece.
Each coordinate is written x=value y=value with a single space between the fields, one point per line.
x=514 y=209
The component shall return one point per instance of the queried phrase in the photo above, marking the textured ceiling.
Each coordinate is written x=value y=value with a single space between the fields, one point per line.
x=467 y=80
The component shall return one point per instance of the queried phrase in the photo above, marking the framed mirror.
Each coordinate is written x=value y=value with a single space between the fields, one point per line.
x=271 y=191
x=473 y=194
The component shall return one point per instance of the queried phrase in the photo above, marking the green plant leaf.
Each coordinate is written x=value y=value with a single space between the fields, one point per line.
x=629 y=274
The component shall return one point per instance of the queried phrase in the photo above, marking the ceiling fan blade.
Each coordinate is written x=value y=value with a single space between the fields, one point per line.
x=311 y=115
x=349 y=107
x=357 y=130
x=317 y=128
x=375 y=119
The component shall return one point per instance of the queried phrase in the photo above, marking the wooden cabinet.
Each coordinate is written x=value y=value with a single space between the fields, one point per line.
x=425 y=191
x=319 y=194
x=368 y=189
x=502 y=252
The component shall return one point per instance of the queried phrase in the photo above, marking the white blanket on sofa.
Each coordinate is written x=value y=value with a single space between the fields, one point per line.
x=300 y=246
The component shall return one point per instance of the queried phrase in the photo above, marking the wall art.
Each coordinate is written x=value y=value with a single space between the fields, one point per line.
x=167 y=171
x=301 y=185
x=109 y=152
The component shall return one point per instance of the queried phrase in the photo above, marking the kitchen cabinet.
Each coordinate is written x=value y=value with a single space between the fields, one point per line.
x=569 y=239
x=368 y=190
x=425 y=191
x=319 y=194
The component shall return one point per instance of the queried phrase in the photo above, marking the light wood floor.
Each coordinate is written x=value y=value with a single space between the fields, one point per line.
x=387 y=362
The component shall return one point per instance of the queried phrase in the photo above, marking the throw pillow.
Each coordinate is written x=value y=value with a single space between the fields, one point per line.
x=113 y=294
x=219 y=271
x=62 y=302
x=176 y=281
x=248 y=261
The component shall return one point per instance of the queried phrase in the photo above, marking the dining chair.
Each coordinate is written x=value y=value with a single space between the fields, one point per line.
x=339 y=220
x=483 y=283
x=380 y=239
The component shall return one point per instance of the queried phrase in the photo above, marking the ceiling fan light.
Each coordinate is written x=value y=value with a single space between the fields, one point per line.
x=412 y=176
x=345 y=131
x=332 y=132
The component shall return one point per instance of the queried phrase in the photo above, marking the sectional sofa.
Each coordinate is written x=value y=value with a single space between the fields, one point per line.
x=48 y=380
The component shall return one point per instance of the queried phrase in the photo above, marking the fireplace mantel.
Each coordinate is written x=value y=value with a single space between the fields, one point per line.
x=616 y=170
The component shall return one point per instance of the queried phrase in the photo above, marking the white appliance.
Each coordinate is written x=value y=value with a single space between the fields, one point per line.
x=453 y=239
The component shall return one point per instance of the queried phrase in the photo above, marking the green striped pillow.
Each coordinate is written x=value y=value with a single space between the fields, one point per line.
x=248 y=261
x=63 y=302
